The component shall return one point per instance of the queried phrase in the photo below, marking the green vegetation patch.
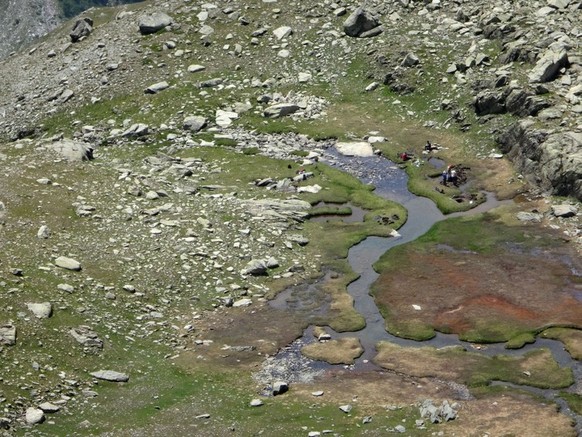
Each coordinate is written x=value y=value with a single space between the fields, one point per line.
x=537 y=368
x=340 y=351
x=572 y=339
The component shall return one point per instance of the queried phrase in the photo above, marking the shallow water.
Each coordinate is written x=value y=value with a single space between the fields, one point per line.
x=391 y=182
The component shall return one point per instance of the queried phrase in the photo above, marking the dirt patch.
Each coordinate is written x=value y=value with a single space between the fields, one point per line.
x=382 y=393
x=243 y=336
x=509 y=414
x=341 y=351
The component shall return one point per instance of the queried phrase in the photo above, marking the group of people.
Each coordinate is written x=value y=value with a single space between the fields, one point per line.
x=450 y=175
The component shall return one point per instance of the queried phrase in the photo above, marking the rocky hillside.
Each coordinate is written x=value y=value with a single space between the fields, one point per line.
x=488 y=69
x=160 y=161
x=24 y=21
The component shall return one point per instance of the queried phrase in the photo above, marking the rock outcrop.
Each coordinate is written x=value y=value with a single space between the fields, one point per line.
x=551 y=160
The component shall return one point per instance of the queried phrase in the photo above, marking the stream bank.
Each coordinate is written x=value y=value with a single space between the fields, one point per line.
x=391 y=183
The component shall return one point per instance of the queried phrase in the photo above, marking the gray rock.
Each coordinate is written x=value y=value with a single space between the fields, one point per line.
x=87 y=337
x=346 y=408
x=435 y=414
x=559 y=4
x=362 y=23
x=83 y=210
x=256 y=267
x=195 y=68
x=282 y=32
x=136 y=130
x=523 y=103
x=153 y=23
x=550 y=160
x=355 y=148
x=40 y=310
x=529 y=217
x=7 y=334
x=110 y=375
x=564 y=210
x=272 y=263
x=81 y=29
x=489 y=102
x=280 y=110
x=43 y=232
x=34 y=416
x=66 y=287
x=49 y=407
x=410 y=60
x=157 y=87
x=194 y=123
x=245 y=302
x=68 y=263
x=280 y=387
x=548 y=67
x=256 y=403
x=72 y=150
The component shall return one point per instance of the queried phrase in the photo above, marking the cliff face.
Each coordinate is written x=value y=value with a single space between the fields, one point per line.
x=550 y=159
x=22 y=21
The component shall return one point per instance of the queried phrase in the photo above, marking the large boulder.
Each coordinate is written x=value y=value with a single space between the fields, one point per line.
x=362 y=23
x=524 y=103
x=7 y=334
x=110 y=375
x=81 y=29
x=154 y=22
x=489 y=102
x=549 y=159
x=280 y=110
x=548 y=67
x=72 y=150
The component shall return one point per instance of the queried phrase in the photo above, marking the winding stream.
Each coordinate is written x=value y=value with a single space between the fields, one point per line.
x=391 y=183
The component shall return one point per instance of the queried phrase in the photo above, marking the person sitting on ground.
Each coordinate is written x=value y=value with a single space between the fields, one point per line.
x=428 y=146
x=405 y=156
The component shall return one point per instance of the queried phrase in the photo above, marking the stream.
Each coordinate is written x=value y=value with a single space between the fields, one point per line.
x=391 y=183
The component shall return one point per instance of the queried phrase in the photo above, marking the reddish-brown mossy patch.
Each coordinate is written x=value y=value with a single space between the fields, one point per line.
x=498 y=294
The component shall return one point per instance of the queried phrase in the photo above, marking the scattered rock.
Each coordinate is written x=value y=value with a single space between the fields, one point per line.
x=157 y=87
x=110 y=375
x=280 y=387
x=72 y=150
x=346 y=408
x=154 y=23
x=256 y=403
x=7 y=334
x=564 y=210
x=40 y=310
x=34 y=416
x=280 y=110
x=81 y=29
x=87 y=337
x=68 y=263
x=362 y=23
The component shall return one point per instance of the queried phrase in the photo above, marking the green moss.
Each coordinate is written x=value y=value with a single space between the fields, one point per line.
x=330 y=210
x=520 y=340
x=574 y=401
